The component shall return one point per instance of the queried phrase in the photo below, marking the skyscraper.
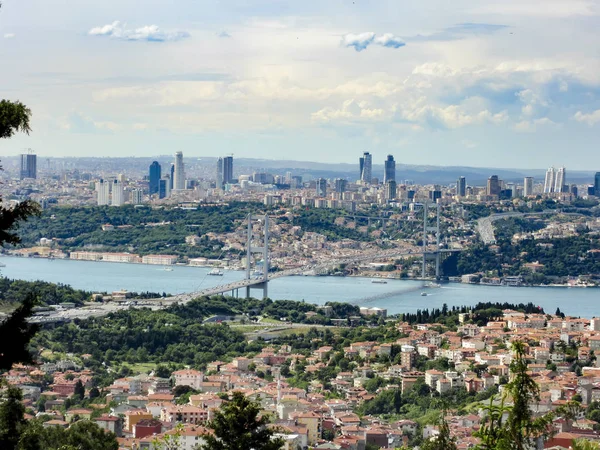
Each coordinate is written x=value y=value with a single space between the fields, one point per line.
x=597 y=184
x=164 y=187
x=560 y=180
x=171 y=176
x=549 y=181
x=389 y=173
x=321 y=187
x=527 y=186
x=461 y=187
x=219 y=184
x=154 y=177
x=179 y=172
x=366 y=168
x=28 y=166
x=227 y=169
x=340 y=185
x=137 y=196
x=493 y=185
x=118 y=195
x=103 y=192
x=390 y=190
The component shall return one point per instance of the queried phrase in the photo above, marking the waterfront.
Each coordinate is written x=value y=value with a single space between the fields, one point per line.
x=396 y=296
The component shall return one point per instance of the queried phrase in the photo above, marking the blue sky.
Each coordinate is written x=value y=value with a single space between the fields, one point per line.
x=511 y=83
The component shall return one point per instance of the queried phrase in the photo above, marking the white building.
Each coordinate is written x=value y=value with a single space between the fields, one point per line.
x=527 y=186
x=136 y=196
x=549 y=181
x=103 y=191
x=560 y=179
x=179 y=173
x=118 y=194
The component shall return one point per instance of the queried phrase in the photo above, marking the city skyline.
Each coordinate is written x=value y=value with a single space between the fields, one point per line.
x=432 y=85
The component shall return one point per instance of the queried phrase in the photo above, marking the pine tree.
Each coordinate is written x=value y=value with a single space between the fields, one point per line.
x=237 y=427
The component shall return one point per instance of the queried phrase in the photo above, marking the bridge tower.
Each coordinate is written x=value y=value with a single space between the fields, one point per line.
x=264 y=250
x=428 y=227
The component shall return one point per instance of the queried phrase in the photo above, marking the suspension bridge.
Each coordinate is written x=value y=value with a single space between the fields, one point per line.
x=258 y=243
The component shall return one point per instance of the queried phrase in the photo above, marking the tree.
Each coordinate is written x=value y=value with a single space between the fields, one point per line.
x=443 y=441
x=14 y=117
x=12 y=418
x=237 y=427
x=15 y=332
x=79 y=391
x=520 y=429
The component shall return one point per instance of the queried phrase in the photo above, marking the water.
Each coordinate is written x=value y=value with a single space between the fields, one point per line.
x=396 y=296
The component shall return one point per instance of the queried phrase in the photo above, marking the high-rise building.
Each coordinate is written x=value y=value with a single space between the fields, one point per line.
x=574 y=190
x=461 y=187
x=118 y=194
x=219 y=184
x=493 y=185
x=137 y=196
x=179 y=172
x=597 y=184
x=527 y=186
x=103 y=192
x=390 y=190
x=549 y=181
x=366 y=168
x=560 y=180
x=154 y=177
x=164 y=187
x=28 y=166
x=321 y=187
x=340 y=185
x=228 y=170
x=389 y=172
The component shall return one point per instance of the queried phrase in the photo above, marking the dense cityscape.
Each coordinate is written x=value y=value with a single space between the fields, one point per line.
x=276 y=225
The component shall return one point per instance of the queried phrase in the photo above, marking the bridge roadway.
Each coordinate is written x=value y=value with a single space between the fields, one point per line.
x=314 y=268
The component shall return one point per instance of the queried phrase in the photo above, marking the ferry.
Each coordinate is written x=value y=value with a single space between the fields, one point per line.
x=431 y=284
x=378 y=281
x=167 y=269
x=216 y=272
x=424 y=294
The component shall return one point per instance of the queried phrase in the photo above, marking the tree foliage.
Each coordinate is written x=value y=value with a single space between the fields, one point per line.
x=237 y=426
x=14 y=117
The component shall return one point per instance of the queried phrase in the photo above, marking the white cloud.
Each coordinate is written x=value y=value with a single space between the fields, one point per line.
x=530 y=126
x=389 y=40
x=362 y=40
x=9 y=35
x=534 y=8
x=591 y=119
x=151 y=33
x=358 y=41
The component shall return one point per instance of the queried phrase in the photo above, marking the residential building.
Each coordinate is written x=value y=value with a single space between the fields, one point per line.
x=527 y=186
x=137 y=196
x=340 y=185
x=163 y=260
x=103 y=192
x=560 y=180
x=550 y=180
x=390 y=190
x=118 y=194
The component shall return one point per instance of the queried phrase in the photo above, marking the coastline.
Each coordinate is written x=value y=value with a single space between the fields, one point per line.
x=365 y=276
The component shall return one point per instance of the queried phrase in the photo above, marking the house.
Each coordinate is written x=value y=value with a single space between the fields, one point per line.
x=110 y=423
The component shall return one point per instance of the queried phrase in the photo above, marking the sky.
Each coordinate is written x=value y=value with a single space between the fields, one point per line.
x=510 y=83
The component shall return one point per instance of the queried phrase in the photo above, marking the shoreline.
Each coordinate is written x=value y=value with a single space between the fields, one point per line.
x=372 y=276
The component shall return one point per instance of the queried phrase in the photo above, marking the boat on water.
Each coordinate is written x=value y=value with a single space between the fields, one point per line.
x=216 y=272
x=431 y=284
x=378 y=281
x=424 y=294
x=167 y=269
